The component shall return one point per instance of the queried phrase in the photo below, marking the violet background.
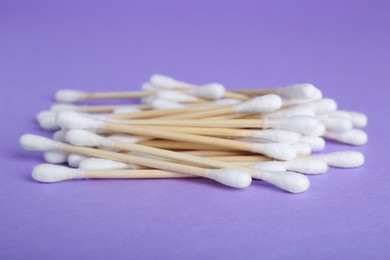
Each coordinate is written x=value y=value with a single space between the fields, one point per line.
x=340 y=46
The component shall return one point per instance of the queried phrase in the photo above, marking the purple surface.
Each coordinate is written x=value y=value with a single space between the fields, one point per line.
x=341 y=46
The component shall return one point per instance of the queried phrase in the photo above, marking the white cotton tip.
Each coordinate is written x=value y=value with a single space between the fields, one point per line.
x=277 y=135
x=70 y=96
x=175 y=96
x=318 y=95
x=81 y=137
x=37 y=143
x=166 y=82
x=226 y=102
x=277 y=151
x=359 y=120
x=302 y=148
x=230 y=177
x=344 y=159
x=148 y=86
x=318 y=131
x=269 y=166
x=55 y=157
x=337 y=124
x=47 y=120
x=262 y=104
x=208 y=91
x=125 y=110
x=316 y=143
x=148 y=99
x=323 y=106
x=74 y=159
x=64 y=107
x=300 y=124
x=102 y=164
x=307 y=165
x=289 y=181
x=59 y=136
x=43 y=114
x=339 y=113
x=292 y=111
x=124 y=138
x=352 y=137
x=165 y=104
x=54 y=173
x=75 y=120
x=303 y=91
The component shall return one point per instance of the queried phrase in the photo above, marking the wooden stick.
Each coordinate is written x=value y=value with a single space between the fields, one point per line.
x=223 y=110
x=257 y=91
x=180 y=157
x=215 y=153
x=108 y=108
x=228 y=123
x=134 y=174
x=120 y=94
x=171 y=145
x=209 y=132
x=245 y=158
x=137 y=160
x=176 y=136
x=145 y=93
x=156 y=112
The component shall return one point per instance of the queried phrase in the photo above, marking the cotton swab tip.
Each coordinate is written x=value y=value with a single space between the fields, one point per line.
x=209 y=91
x=278 y=151
x=49 y=173
x=81 y=137
x=269 y=166
x=70 y=96
x=74 y=120
x=352 y=137
x=289 y=181
x=55 y=157
x=159 y=103
x=102 y=164
x=277 y=135
x=166 y=82
x=262 y=104
x=74 y=159
x=37 y=143
x=359 y=120
x=337 y=124
x=230 y=177
x=300 y=124
x=303 y=91
x=307 y=165
x=344 y=159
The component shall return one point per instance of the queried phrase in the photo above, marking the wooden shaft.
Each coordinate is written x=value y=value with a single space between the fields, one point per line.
x=170 y=135
x=230 y=94
x=209 y=131
x=171 y=145
x=204 y=162
x=232 y=116
x=134 y=174
x=245 y=158
x=214 y=153
x=155 y=113
x=108 y=109
x=123 y=94
x=257 y=91
x=212 y=111
x=137 y=160
x=228 y=123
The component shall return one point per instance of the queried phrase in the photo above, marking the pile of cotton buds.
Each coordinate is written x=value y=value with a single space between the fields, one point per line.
x=183 y=130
